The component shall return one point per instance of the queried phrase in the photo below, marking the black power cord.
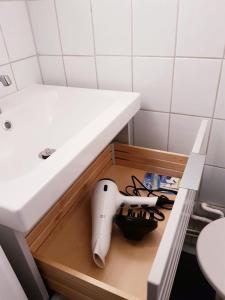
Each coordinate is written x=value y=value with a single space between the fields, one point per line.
x=162 y=202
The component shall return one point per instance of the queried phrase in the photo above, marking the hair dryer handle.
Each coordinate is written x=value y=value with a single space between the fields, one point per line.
x=137 y=200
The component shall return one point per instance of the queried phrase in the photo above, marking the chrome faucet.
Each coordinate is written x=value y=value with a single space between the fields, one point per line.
x=5 y=80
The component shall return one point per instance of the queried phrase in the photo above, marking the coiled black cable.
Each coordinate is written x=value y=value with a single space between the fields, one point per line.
x=162 y=202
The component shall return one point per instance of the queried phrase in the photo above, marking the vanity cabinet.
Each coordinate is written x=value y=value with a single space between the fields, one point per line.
x=61 y=242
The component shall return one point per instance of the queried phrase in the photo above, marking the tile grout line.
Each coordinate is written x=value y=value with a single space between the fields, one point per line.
x=9 y=62
x=141 y=56
x=34 y=41
x=94 y=44
x=173 y=73
x=17 y=60
x=215 y=102
x=132 y=51
x=132 y=68
x=181 y=114
x=215 y=166
x=60 y=41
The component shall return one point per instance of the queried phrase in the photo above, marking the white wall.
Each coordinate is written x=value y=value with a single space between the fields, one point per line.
x=172 y=51
x=18 y=56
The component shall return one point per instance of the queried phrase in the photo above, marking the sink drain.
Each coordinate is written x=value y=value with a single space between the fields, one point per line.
x=46 y=153
x=7 y=125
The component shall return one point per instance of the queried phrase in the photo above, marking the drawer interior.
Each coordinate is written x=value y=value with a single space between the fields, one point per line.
x=61 y=242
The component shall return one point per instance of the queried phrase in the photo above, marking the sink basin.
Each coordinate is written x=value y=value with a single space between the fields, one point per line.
x=73 y=124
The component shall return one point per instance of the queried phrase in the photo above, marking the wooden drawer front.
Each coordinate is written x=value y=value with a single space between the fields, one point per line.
x=60 y=243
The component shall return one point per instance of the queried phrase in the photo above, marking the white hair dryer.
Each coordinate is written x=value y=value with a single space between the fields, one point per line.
x=105 y=202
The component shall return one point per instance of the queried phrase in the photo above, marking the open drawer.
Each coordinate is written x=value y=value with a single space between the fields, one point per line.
x=61 y=241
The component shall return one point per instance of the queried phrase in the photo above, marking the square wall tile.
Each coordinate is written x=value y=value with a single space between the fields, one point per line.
x=122 y=136
x=44 y=23
x=16 y=29
x=26 y=72
x=75 y=25
x=212 y=188
x=153 y=79
x=114 y=72
x=80 y=71
x=112 y=26
x=201 y=28
x=183 y=131
x=154 y=27
x=52 y=70
x=220 y=103
x=195 y=85
x=6 y=90
x=3 y=52
x=151 y=129
x=216 y=149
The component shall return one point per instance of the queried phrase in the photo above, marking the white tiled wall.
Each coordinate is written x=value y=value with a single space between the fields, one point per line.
x=151 y=129
x=213 y=187
x=154 y=27
x=195 y=86
x=75 y=25
x=112 y=26
x=26 y=72
x=171 y=51
x=114 y=72
x=152 y=76
x=18 y=55
x=4 y=91
x=200 y=31
x=53 y=69
x=46 y=30
x=80 y=71
x=220 y=107
x=180 y=124
x=3 y=53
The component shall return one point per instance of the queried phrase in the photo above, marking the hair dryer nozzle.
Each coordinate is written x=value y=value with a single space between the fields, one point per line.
x=99 y=261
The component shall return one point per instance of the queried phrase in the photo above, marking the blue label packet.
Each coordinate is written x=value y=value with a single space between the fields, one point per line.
x=153 y=181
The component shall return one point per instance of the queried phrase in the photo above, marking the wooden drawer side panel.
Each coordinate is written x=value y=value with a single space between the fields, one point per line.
x=161 y=162
x=69 y=200
x=60 y=277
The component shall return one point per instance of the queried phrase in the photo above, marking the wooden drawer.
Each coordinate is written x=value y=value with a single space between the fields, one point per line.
x=61 y=241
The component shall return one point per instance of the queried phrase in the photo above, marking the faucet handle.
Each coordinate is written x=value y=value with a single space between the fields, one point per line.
x=5 y=80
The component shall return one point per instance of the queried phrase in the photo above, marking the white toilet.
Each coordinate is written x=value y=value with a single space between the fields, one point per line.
x=9 y=285
x=210 y=254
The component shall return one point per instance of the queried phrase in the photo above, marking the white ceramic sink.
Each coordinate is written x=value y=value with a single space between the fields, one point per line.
x=77 y=122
